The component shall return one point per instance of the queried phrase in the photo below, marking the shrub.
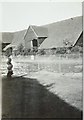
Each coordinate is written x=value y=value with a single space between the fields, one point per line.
x=77 y=49
x=20 y=48
x=42 y=52
x=61 y=50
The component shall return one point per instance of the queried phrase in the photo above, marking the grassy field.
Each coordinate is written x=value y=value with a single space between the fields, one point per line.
x=60 y=76
x=61 y=63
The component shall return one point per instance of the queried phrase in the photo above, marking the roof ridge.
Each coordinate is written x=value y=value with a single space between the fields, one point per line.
x=78 y=37
x=34 y=31
x=71 y=18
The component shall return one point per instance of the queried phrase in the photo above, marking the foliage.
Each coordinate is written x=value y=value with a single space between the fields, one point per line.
x=77 y=49
x=42 y=52
x=53 y=51
x=61 y=50
x=20 y=48
x=8 y=52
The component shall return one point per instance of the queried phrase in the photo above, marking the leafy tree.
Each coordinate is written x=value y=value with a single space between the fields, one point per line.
x=20 y=48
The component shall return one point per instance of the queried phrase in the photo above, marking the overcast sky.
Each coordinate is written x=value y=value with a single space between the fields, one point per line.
x=19 y=15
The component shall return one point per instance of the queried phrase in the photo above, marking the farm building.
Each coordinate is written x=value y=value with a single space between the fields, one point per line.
x=79 y=42
x=30 y=38
x=35 y=36
x=6 y=39
x=17 y=40
x=65 y=33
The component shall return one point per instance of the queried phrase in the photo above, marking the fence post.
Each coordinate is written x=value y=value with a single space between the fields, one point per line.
x=59 y=64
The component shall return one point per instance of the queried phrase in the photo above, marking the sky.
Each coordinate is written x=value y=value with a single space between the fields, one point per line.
x=17 y=16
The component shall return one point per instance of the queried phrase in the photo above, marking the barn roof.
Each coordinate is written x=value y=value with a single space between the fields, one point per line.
x=7 y=37
x=40 y=31
x=19 y=37
x=34 y=32
x=60 y=33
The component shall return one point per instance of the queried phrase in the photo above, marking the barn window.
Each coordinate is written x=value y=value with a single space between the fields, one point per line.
x=35 y=43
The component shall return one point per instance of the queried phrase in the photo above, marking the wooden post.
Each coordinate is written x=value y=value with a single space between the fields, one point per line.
x=31 y=45
x=59 y=64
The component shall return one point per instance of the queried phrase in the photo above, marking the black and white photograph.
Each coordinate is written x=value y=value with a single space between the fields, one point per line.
x=42 y=60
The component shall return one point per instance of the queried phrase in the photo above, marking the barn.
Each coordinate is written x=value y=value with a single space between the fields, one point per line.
x=30 y=38
x=17 y=40
x=7 y=38
x=35 y=36
x=66 y=33
x=63 y=34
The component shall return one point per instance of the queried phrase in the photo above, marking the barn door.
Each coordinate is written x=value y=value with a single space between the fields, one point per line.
x=35 y=43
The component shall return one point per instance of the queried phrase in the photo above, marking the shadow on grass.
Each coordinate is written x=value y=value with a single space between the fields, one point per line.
x=26 y=98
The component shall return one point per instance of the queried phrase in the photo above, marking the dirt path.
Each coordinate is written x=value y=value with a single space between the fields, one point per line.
x=27 y=98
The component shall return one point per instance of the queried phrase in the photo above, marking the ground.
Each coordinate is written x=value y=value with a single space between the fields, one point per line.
x=47 y=87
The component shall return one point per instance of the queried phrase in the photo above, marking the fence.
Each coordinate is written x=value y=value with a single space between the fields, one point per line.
x=60 y=63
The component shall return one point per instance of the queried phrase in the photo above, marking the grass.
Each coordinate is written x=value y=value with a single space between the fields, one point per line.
x=26 y=98
x=68 y=86
x=50 y=87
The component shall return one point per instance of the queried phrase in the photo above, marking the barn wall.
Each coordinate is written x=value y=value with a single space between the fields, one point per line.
x=40 y=40
x=80 y=41
x=4 y=45
x=28 y=45
x=28 y=37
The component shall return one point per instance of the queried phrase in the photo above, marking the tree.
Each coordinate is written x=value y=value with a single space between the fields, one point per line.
x=20 y=48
